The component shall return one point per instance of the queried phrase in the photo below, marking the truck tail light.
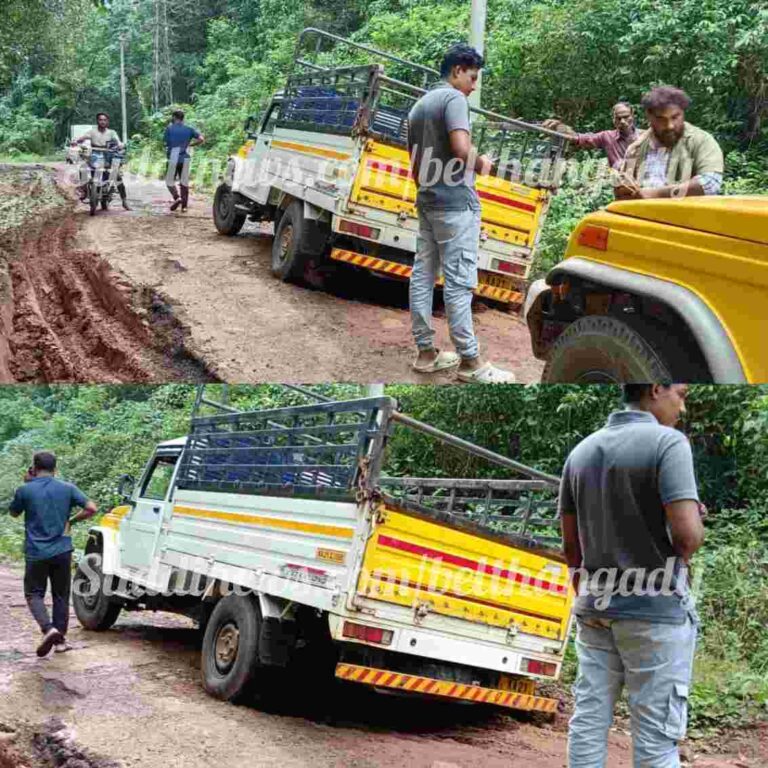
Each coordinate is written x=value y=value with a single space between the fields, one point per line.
x=367 y=634
x=508 y=267
x=361 y=230
x=533 y=667
x=594 y=237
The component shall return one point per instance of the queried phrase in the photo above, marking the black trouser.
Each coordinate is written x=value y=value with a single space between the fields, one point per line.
x=36 y=576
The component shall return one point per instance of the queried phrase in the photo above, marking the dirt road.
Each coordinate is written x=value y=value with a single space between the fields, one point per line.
x=131 y=696
x=241 y=323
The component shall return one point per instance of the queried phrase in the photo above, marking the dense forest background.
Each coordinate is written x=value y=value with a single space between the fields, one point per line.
x=101 y=432
x=222 y=59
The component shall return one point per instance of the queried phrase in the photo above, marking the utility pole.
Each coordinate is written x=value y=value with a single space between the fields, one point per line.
x=477 y=40
x=156 y=58
x=122 y=87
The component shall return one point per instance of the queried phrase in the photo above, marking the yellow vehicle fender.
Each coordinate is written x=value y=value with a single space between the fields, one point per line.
x=713 y=339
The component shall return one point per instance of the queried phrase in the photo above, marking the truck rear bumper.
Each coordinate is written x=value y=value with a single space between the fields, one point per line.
x=396 y=269
x=445 y=689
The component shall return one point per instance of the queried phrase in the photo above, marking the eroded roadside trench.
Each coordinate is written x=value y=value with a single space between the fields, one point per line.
x=65 y=314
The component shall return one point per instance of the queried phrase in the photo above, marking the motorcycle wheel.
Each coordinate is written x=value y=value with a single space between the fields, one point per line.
x=93 y=197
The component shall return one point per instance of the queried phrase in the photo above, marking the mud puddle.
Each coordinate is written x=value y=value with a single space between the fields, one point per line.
x=65 y=314
x=53 y=744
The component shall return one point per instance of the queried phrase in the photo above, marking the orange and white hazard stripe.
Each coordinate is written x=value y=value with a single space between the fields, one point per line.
x=382 y=678
x=404 y=270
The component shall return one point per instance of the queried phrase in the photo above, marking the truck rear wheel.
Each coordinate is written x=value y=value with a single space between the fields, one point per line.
x=230 y=655
x=296 y=241
x=226 y=218
x=603 y=349
x=94 y=609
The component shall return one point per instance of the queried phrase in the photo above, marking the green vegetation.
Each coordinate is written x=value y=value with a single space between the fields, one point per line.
x=59 y=64
x=101 y=432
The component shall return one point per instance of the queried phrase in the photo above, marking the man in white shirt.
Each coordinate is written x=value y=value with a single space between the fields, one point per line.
x=100 y=138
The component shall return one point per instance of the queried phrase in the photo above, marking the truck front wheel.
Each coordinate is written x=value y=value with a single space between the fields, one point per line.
x=230 y=655
x=93 y=607
x=226 y=218
x=603 y=349
x=298 y=241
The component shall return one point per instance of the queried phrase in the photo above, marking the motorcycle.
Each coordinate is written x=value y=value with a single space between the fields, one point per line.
x=103 y=176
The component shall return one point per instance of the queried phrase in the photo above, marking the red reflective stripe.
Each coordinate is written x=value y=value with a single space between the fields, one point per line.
x=506 y=201
x=473 y=565
x=377 y=166
x=452 y=689
x=432 y=684
x=378 y=677
x=389 y=680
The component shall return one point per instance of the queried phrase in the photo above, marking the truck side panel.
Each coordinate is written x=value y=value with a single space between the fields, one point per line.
x=511 y=213
x=297 y=539
x=412 y=561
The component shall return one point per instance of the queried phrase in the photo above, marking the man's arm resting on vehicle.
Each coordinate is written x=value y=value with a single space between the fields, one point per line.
x=88 y=511
x=462 y=149
x=685 y=526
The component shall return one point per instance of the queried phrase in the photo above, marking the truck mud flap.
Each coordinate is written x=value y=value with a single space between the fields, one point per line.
x=486 y=290
x=445 y=689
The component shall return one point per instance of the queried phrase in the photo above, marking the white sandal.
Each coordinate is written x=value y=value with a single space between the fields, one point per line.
x=443 y=361
x=486 y=374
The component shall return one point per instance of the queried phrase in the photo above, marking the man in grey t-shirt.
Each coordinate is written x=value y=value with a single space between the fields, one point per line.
x=444 y=163
x=631 y=520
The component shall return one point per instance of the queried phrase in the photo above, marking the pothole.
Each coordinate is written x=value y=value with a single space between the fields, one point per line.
x=66 y=315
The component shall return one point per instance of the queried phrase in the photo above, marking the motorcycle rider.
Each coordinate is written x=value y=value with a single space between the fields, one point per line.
x=104 y=139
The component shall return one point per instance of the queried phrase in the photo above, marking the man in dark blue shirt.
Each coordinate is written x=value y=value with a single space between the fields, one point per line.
x=47 y=503
x=178 y=138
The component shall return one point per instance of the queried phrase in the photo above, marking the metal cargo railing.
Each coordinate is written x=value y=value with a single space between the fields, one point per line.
x=300 y=450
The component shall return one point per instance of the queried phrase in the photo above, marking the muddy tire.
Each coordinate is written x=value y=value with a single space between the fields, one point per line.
x=226 y=218
x=93 y=608
x=93 y=197
x=297 y=241
x=230 y=655
x=602 y=349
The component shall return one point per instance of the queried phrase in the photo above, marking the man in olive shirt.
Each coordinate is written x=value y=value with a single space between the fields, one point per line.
x=631 y=520
x=672 y=158
x=46 y=503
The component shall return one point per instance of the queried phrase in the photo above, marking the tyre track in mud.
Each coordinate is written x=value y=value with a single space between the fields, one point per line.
x=69 y=317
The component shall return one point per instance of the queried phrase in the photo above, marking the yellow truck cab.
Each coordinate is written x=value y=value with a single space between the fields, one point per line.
x=658 y=289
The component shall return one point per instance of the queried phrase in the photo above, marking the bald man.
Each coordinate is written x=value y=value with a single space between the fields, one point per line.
x=613 y=142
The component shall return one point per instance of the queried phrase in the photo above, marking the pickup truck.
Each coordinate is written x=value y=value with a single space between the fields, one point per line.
x=328 y=165
x=279 y=532
x=655 y=290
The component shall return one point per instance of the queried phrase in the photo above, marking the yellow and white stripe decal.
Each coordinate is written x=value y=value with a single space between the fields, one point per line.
x=265 y=522
x=382 y=678
x=403 y=270
x=114 y=516
x=310 y=150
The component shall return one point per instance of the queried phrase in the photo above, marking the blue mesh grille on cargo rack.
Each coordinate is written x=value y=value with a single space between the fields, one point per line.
x=314 y=449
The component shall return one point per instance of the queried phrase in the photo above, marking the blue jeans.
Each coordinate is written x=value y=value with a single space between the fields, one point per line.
x=448 y=241
x=655 y=662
